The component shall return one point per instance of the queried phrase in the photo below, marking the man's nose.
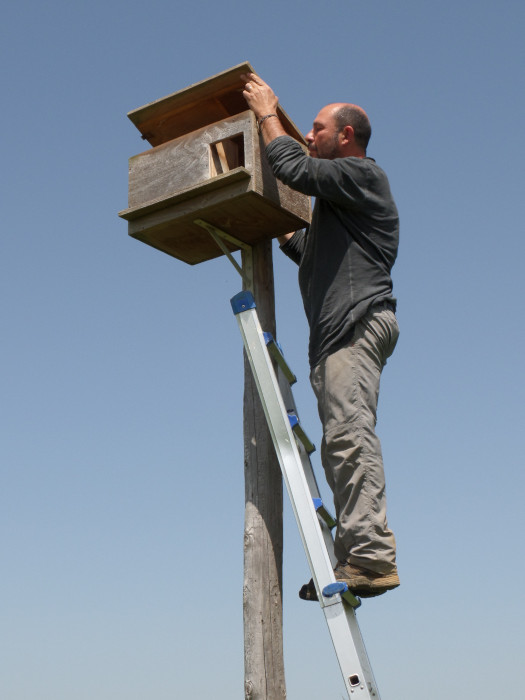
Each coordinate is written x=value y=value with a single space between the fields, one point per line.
x=309 y=137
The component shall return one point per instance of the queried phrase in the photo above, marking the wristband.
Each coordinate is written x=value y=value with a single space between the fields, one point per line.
x=260 y=121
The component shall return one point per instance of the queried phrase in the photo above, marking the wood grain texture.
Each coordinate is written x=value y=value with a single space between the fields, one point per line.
x=199 y=104
x=271 y=188
x=263 y=528
x=189 y=174
x=171 y=185
x=183 y=162
x=169 y=224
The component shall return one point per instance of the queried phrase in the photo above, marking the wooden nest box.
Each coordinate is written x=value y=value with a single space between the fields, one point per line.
x=207 y=163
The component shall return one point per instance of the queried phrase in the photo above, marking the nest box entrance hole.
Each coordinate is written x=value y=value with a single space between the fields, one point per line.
x=226 y=154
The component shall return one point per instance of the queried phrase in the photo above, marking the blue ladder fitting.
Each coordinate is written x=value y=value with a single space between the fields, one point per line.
x=300 y=434
x=293 y=420
x=337 y=588
x=276 y=352
x=321 y=511
x=242 y=302
x=268 y=338
x=341 y=588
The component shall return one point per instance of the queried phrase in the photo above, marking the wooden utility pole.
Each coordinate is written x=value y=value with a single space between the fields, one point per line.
x=263 y=525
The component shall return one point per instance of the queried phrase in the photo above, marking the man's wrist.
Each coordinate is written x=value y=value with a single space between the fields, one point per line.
x=262 y=119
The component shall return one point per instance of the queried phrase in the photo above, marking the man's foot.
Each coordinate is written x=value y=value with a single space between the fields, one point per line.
x=361 y=582
x=308 y=591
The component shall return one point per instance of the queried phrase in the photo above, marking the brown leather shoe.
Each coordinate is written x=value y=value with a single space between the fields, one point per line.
x=308 y=591
x=363 y=582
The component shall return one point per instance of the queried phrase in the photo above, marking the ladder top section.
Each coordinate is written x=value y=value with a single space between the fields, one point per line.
x=242 y=302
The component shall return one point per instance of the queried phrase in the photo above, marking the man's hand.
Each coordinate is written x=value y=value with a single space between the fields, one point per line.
x=260 y=97
x=263 y=102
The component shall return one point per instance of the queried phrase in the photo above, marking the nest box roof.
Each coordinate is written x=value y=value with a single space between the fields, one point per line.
x=198 y=105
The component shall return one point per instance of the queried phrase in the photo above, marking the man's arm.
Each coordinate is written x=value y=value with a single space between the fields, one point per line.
x=263 y=102
x=285 y=237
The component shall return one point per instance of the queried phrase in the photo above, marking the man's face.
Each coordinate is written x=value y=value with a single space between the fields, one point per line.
x=324 y=138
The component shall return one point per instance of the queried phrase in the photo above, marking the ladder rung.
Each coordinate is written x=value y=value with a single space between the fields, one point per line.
x=324 y=514
x=276 y=352
x=300 y=434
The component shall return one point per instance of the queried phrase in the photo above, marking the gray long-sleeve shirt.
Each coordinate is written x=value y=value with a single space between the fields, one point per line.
x=346 y=255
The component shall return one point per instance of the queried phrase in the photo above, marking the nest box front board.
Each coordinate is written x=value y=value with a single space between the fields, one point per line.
x=207 y=162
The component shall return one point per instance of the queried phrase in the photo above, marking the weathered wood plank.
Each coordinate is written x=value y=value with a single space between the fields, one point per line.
x=171 y=184
x=241 y=213
x=197 y=105
x=267 y=184
x=185 y=161
x=219 y=182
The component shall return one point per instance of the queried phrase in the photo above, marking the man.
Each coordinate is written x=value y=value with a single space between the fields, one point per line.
x=345 y=258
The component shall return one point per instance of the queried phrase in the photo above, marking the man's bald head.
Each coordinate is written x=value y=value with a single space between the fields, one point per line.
x=356 y=117
x=339 y=130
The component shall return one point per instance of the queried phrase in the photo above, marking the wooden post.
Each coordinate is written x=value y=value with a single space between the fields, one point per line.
x=263 y=529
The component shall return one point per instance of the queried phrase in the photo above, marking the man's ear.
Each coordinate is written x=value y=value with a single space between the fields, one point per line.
x=348 y=134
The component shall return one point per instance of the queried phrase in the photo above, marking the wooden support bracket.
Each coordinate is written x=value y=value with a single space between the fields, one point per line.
x=221 y=237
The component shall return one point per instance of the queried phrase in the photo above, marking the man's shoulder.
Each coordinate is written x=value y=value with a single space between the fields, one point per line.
x=366 y=164
x=365 y=169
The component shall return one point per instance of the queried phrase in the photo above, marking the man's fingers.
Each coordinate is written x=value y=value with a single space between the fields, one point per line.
x=252 y=77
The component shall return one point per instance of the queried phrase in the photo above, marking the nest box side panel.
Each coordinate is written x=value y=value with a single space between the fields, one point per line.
x=295 y=203
x=190 y=160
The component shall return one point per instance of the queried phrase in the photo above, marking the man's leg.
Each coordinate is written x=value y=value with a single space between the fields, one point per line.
x=346 y=384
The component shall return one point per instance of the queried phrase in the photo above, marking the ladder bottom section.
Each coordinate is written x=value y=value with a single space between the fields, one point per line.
x=353 y=660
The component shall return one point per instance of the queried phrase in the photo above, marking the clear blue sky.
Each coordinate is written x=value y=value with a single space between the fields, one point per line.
x=122 y=497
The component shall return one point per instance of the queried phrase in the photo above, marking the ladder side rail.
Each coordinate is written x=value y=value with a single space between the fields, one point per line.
x=286 y=448
x=289 y=402
x=313 y=486
x=341 y=620
x=333 y=621
x=340 y=625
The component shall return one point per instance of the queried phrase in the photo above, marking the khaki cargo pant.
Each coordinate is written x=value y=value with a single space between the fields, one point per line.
x=346 y=384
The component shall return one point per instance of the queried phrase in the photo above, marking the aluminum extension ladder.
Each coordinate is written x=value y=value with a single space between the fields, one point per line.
x=293 y=448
